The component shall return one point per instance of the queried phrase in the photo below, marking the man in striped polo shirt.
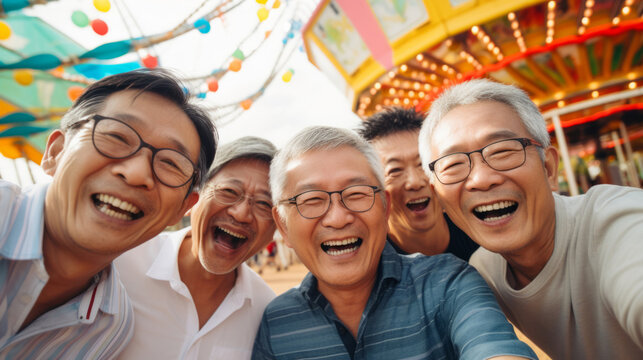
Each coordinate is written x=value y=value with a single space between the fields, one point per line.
x=125 y=164
x=362 y=300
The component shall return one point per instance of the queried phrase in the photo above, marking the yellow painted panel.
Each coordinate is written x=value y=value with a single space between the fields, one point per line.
x=7 y=108
x=444 y=21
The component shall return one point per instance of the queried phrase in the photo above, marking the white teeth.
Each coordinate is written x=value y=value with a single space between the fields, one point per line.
x=495 y=218
x=494 y=206
x=107 y=211
x=418 y=201
x=232 y=233
x=340 y=252
x=341 y=242
x=118 y=203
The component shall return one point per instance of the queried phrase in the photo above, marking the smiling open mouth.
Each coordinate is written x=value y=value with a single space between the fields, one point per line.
x=419 y=204
x=339 y=247
x=228 y=238
x=116 y=208
x=495 y=211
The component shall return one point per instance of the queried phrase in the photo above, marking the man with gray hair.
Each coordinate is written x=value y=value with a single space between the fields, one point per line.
x=193 y=295
x=363 y=300
x=566 y=270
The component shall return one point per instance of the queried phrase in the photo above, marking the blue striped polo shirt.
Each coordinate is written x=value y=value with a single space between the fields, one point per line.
x=435 y=307
x=96 y=324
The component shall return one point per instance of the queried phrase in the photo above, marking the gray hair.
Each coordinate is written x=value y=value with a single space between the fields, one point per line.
x=318 y=138
x=247 y=147
x=474 y=91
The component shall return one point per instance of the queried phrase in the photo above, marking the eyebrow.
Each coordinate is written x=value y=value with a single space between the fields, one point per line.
x=129 y=118
x=357 y=180
x=240 y=184
x=395 y=159
x=498 y=135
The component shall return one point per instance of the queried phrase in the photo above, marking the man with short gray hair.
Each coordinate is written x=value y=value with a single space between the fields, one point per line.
x=193 y=295
x=566 y=270
x=363 y=300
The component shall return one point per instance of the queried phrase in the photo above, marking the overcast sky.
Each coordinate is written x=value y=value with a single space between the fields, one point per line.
x=285 y=108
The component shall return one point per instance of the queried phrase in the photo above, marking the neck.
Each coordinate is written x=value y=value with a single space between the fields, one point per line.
x=431 y=242
x=348 y=303
x=525 y=264
x=70 y=270
x=208 y=290
x=69 y=275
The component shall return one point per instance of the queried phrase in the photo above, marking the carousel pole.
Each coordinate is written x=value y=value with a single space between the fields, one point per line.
x=620 y=158
x=564 y=154
x=24 y=156
x=15 y=168
x=631 y=167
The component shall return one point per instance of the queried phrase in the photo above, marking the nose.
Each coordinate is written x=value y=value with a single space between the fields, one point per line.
x=337 y=216
x=242 y=210
x=136 y=170
x=482 y=176
x=416 y=179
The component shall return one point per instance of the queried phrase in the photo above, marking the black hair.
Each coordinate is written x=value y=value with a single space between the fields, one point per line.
x=390 y=121
x=157 y=81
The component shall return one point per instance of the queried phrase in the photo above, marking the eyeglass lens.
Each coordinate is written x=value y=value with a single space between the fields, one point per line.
x=315 y=203
x=230 y=195
x=117 y=140
x=502 y=155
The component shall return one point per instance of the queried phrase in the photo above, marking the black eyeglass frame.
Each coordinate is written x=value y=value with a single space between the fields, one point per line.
x=523 y=141
x=293 y=200
x=97 y=118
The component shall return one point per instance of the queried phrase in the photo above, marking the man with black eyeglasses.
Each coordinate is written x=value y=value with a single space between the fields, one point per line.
x=124 y=165
x=194 y=297
x=565 y=270
x=361 y=299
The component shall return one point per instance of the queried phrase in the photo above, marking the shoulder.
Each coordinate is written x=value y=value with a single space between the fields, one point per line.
x=437 y=274
x=138 y=260
x=22 y=218
x=434 y=265
x=600 y=196
x=9 y=195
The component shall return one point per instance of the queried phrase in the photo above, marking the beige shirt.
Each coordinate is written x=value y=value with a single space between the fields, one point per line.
x=587 y=302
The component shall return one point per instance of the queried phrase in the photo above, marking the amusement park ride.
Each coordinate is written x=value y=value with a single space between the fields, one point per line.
x=579 y=60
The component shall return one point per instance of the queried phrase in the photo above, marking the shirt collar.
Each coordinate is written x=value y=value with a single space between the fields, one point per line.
x=243 y=289
x=165 y=266
x=113 y=290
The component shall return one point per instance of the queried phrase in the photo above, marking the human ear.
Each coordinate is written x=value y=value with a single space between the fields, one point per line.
x=281 y=226
x=189 y=201
x=53 y=152
x=551 y=167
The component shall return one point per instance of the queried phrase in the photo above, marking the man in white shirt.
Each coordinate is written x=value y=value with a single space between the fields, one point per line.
x=565 y=270
x=193 y=295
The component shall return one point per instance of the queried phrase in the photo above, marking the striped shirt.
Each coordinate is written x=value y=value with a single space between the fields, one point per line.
x=96 y=324
x=435 y=307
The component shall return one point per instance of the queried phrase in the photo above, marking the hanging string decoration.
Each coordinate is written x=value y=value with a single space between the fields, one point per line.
x=99 y=27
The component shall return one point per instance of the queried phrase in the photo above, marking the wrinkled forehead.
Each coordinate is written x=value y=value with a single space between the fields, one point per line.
x=321 y=168
x=475 y=125
x=243 y=172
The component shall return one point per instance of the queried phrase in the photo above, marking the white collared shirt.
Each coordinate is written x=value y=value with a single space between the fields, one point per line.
x=167 y=323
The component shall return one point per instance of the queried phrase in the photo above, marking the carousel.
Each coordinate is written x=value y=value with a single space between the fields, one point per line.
x=579 y=60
